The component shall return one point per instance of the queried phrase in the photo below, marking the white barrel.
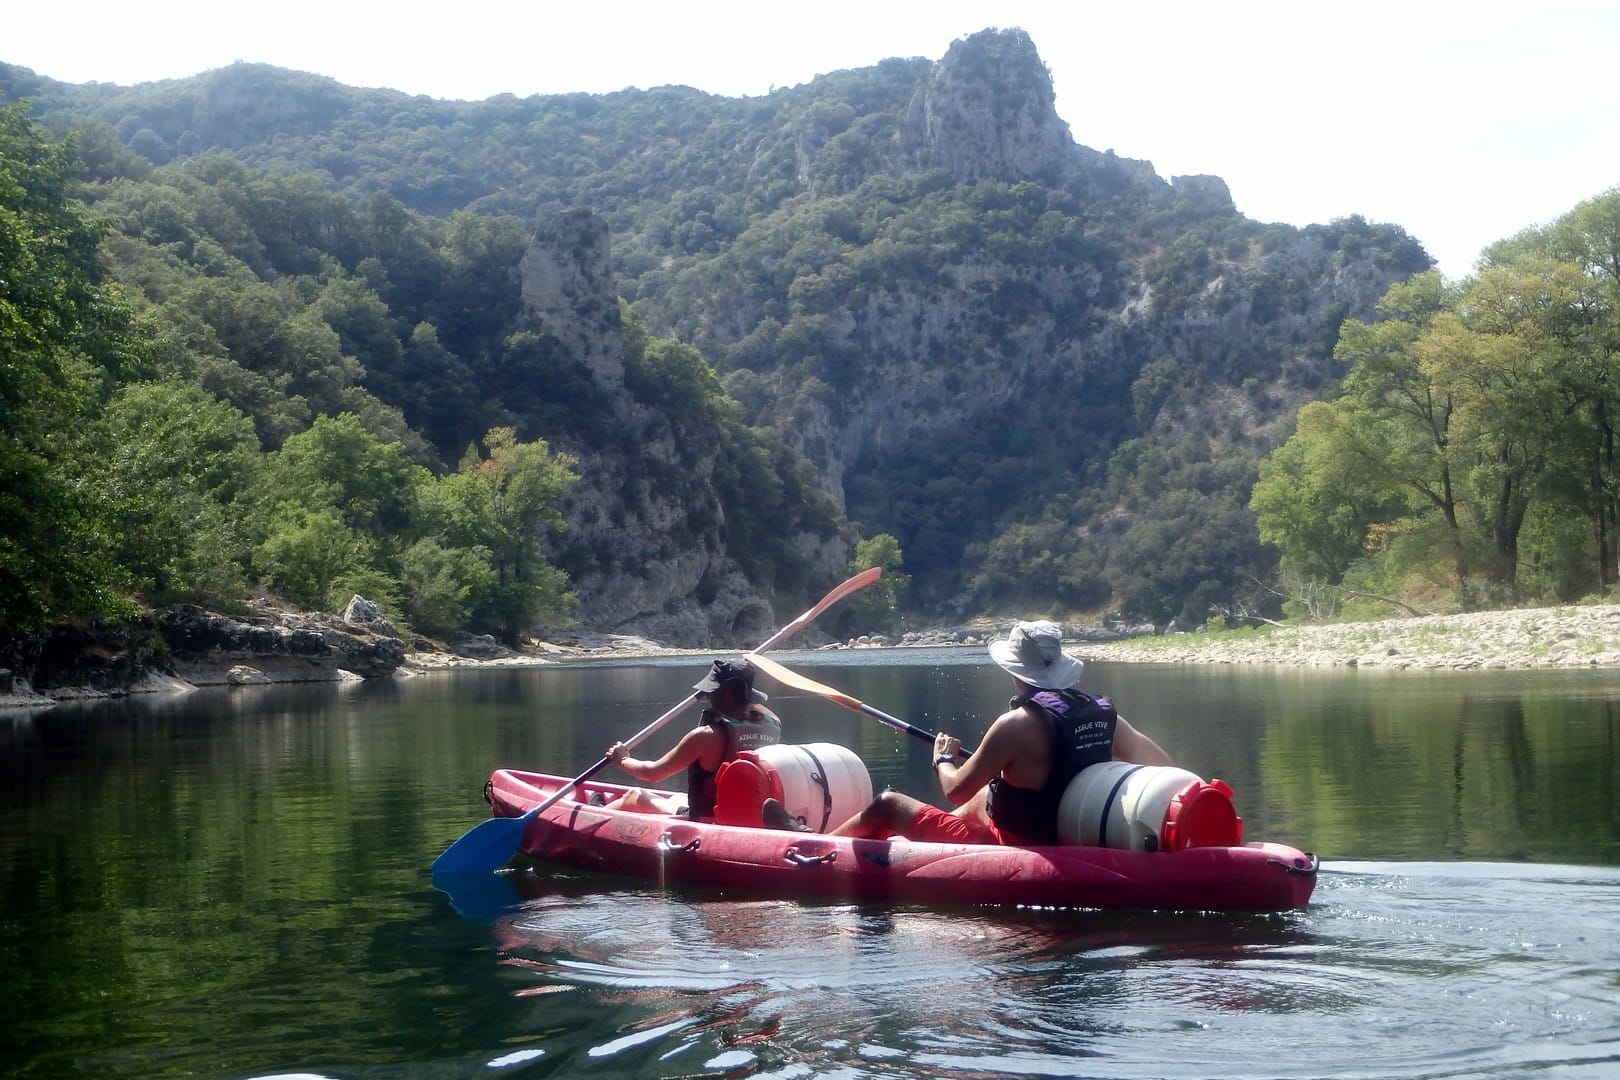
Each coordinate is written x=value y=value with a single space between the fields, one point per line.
x=821 y=784
x=1119 y=804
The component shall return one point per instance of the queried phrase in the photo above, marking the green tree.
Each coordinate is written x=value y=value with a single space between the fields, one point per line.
x=339 y=506
x=442 y=587
x=876 y=607
x=61 y=329
x=338 y=465
x=1513 y=413
x=1314 y=500
x=308 y=551
x=176 y=467
x=520 y=485
x=1399 y=429
x=1578 y=257
x=1464 y=408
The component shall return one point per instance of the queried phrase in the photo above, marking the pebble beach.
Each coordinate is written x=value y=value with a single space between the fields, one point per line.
x=1577 y=636
x=1574 y=636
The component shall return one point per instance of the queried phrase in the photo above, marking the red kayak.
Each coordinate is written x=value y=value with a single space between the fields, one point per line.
x=574 y=833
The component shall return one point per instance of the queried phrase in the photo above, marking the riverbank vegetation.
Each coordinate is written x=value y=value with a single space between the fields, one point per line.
x=1468 y=458
x=131 y=475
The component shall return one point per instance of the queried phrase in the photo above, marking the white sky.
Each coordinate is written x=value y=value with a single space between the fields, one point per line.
x=1463 y=121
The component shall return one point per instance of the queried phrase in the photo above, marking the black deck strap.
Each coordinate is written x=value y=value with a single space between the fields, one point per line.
x=820 y=777
x=1108 y=805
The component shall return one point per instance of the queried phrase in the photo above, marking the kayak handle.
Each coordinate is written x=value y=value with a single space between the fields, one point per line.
x=799 y=858
x=670 y=844
x=1299 y=866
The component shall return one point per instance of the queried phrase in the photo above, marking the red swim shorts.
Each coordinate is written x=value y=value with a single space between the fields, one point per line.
x=935 y=825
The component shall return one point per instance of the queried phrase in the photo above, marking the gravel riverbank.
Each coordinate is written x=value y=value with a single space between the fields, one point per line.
x=1577 y=636
x=1558 y=637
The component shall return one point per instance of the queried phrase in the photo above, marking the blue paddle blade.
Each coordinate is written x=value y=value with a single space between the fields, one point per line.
x=484 y=848
x=481 y=897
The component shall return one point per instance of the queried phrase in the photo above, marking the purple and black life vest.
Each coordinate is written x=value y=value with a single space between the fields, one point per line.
x=1082 y=734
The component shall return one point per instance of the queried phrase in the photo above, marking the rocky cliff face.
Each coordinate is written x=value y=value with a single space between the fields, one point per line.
x=891 y=269
x=987 y=111
x=570 y=295
x=997 y=329
x=986 y=335
x=617 y=548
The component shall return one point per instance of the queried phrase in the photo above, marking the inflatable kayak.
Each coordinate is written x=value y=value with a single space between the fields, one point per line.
x=576 y=833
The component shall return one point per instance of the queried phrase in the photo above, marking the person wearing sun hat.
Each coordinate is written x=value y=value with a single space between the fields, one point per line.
x=734 y=719
x=1008 y=790
x=1056 y=731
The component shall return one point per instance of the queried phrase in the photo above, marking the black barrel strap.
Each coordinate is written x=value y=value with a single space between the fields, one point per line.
x=1108 y=805
x=820 y=777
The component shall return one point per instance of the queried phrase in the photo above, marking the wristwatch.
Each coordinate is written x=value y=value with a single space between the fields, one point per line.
x=943 y=758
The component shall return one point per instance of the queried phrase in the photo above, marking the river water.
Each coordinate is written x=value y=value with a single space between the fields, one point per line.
x=236 y=884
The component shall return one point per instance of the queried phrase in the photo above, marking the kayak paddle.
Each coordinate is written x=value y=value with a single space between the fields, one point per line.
x=788 y=677
x=489 y=845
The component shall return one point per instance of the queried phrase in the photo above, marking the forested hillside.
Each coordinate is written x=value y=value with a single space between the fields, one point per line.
x=902 y=301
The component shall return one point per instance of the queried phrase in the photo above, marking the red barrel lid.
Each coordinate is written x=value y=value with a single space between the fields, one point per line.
x=1201 y=815
x=741 y=787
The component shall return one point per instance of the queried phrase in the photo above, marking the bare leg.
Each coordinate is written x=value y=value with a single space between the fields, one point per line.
x=890 y=814
x=976 y=809
x=642 y=801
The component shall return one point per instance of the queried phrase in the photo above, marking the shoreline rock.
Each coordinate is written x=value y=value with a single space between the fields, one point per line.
x=184 y=647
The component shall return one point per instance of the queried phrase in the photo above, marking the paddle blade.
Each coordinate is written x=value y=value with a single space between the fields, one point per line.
x=788 y=677
x=481 y=897
x=854 y=584
x=484 y=848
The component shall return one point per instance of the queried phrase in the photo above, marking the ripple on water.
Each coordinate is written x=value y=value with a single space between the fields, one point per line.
x=1413 y=970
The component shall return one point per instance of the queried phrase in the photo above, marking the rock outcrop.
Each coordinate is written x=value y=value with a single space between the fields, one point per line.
x=185 y=647
x=204 y=646
x=569 y=293
x=988 y=112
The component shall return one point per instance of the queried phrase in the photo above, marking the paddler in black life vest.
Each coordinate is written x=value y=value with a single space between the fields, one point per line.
x=1008 y=791
x=734 y=719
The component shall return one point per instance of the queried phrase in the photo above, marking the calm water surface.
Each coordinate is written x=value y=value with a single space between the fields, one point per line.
x=235 y=884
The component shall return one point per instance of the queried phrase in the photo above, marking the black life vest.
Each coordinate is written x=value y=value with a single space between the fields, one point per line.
x=1081 y=728
x=759 y=728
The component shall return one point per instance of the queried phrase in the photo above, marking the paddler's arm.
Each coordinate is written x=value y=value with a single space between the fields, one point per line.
x=678 y=757
x=961 y=780
x=1139 y=749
